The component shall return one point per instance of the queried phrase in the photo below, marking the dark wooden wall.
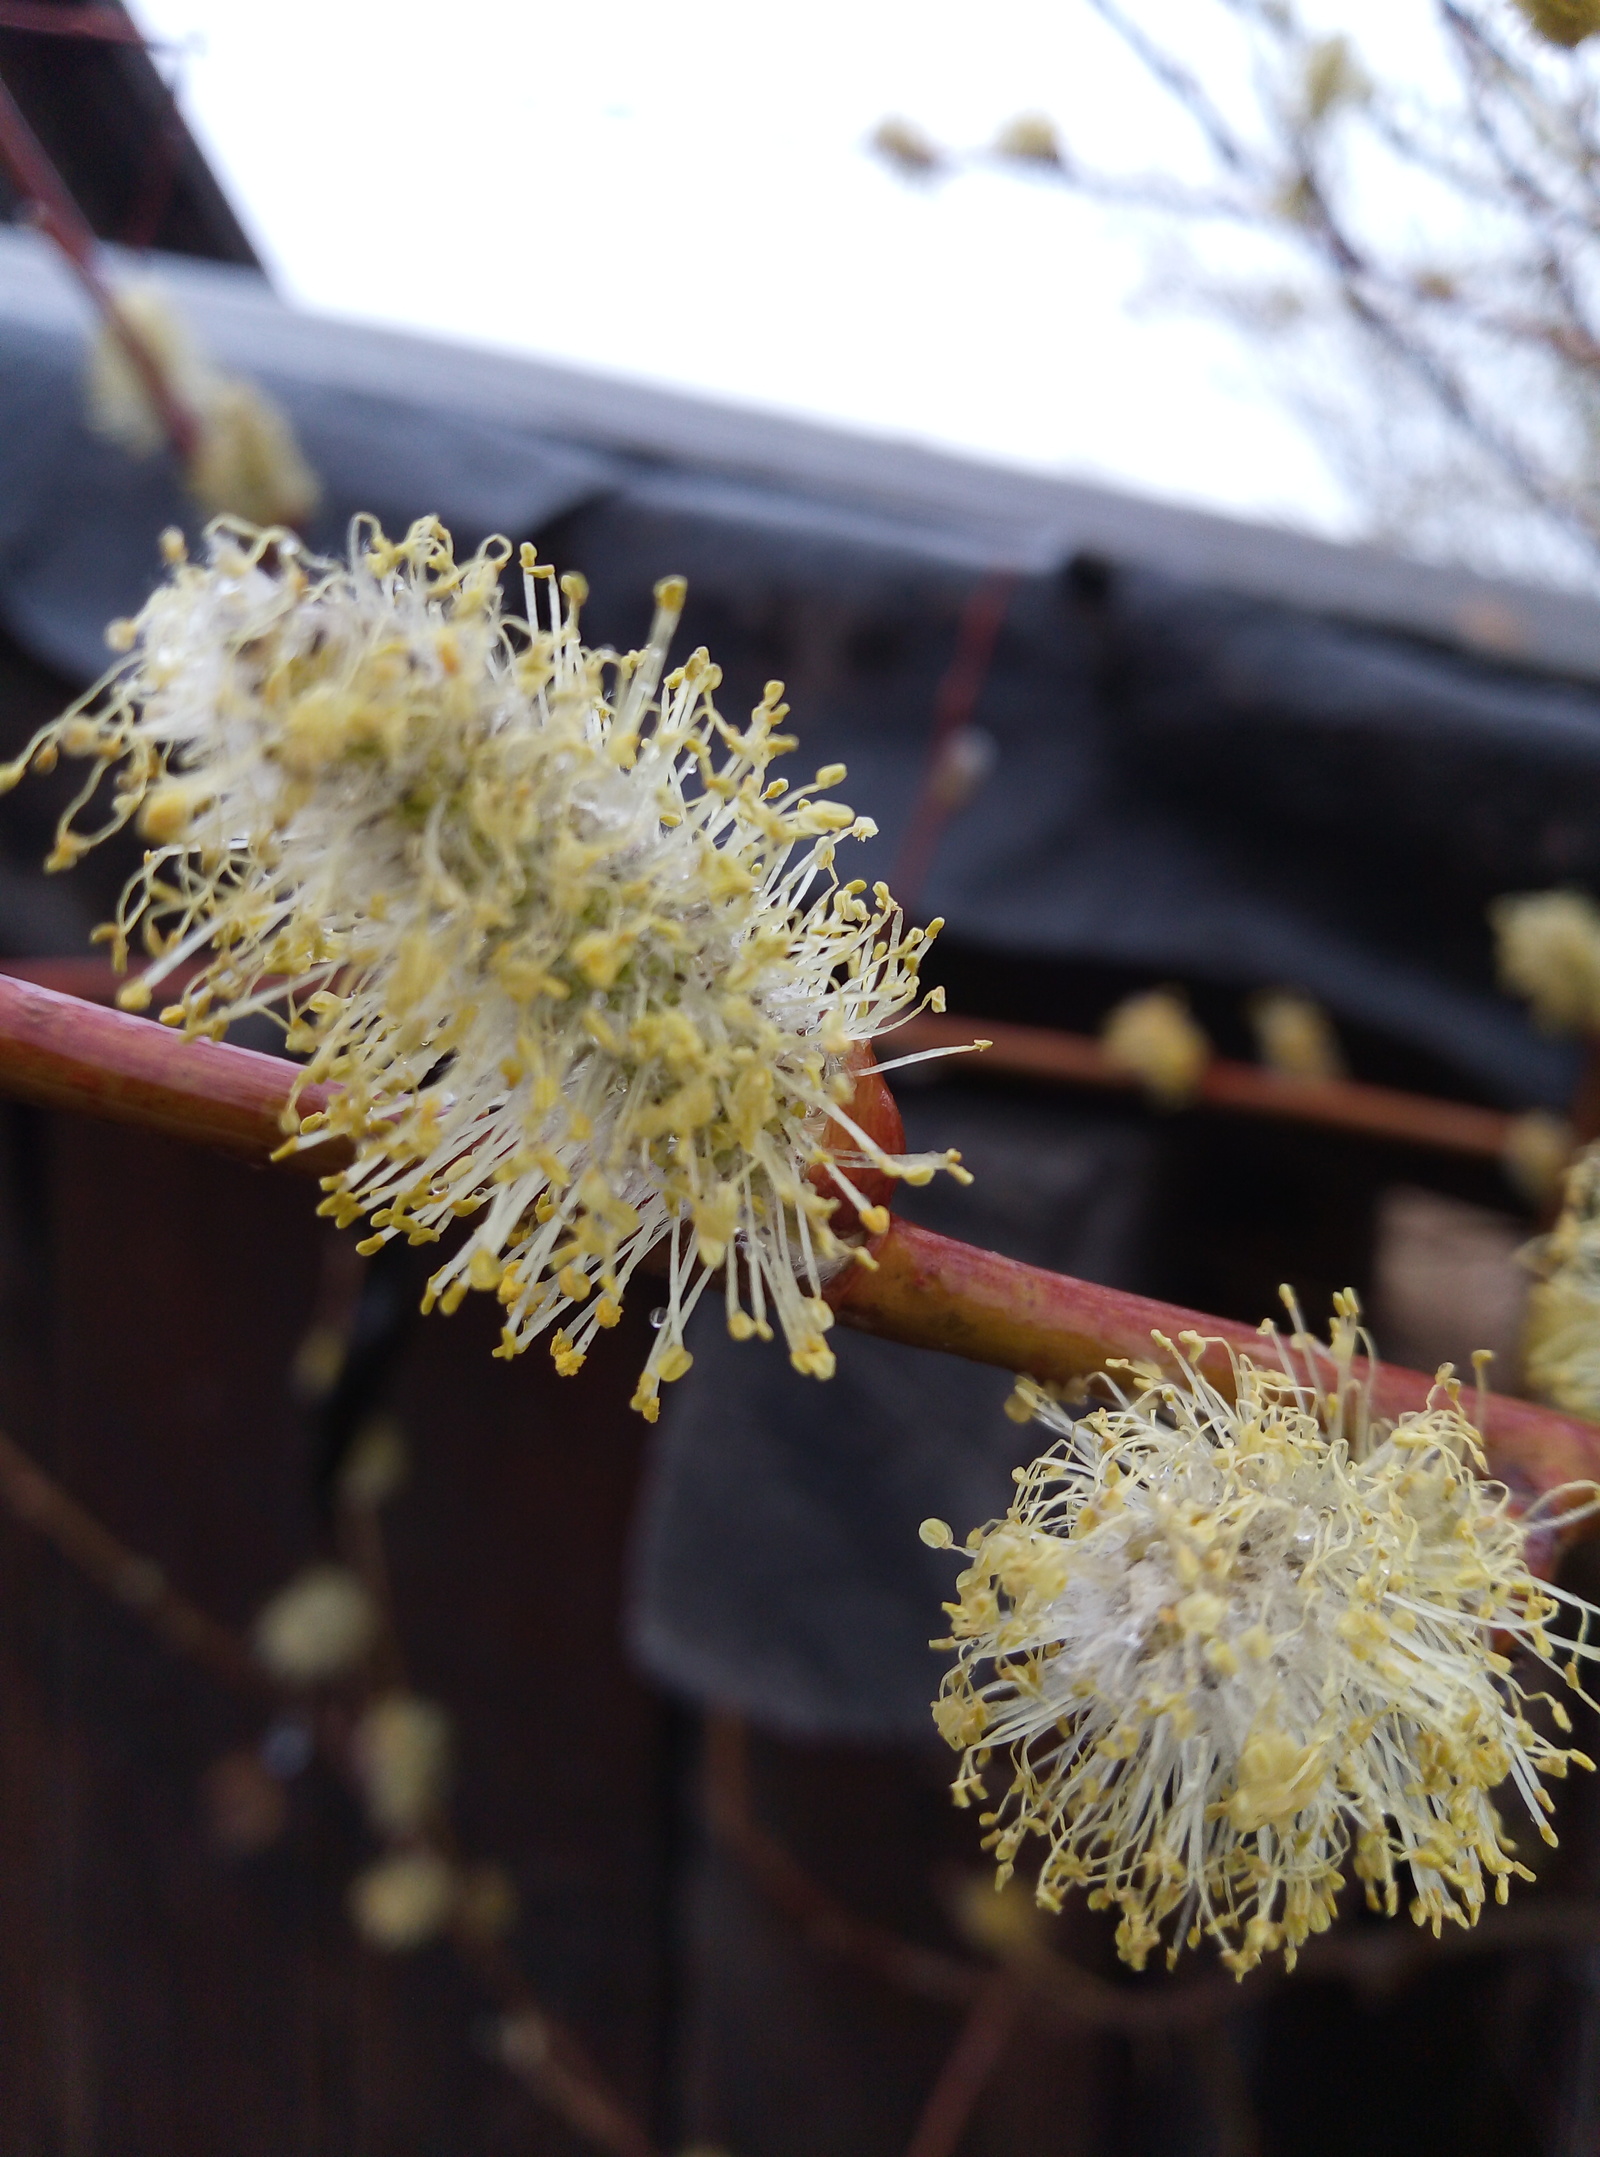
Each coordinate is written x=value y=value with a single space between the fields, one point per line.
x=156 y=1994
x=160 y=1997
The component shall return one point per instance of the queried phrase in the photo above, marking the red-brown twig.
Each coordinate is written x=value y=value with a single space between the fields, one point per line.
x=1043 y=1052
x=27 y=163
x=101 y=25
x=62 y=1053
x=947 y=774
x=1380 y=1112
x=970 y=2066
x=927 y=1290
x=933 y=1292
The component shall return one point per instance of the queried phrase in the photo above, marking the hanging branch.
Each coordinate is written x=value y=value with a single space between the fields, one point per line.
x=1377 y=1962
x=958 y=753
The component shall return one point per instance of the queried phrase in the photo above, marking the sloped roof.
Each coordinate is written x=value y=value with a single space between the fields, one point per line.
x=398 y=423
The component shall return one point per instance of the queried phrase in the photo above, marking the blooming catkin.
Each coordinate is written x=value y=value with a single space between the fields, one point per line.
x=1295 y=1036
x=582 y=973
x=245 y=459
x=316 y=1628
x=403 y=1900
x=1221 y=1649
x=1155 y=1039
x=1561 y=1320
x=1547 y=950
x=1562 y=22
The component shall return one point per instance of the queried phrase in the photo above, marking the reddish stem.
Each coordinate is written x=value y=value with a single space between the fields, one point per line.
x=24 y=158
x=1341 y=1104
x=47 y=18
x=940 y=792
x=933 y=1292
x=987 y=2031
x=60 y=1053
x=926 y=1290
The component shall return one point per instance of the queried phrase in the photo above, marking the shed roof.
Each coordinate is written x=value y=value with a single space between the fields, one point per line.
x=398 y=422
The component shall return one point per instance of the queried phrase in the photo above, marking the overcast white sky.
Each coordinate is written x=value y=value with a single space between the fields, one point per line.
x=682 y=193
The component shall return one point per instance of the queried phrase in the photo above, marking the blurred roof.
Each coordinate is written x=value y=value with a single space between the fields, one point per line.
x=488 y=438
x=93 y=95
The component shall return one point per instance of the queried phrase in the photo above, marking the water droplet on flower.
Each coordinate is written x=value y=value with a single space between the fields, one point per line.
x=659 y=1316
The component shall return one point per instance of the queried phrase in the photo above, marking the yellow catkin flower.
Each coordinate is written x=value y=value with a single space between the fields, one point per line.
x=402 y=1756
x=1562 y=22
x=1547 y=950
x=1222 y=1652
x=1561 y=1321
x=584 y=974
x=404 y=1900
x=904 y=145
x=1334 y=78
x=1295 y=1036
x=317 y=1627
x=1537 y=1149
x=1031 y=139
x=1153 y=1037
x=246 y=461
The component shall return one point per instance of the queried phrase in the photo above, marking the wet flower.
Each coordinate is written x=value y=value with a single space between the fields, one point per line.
x=1561 y=1322
x=582 y=972
x=1153 y=1037
x=245 y=460
x=1225 y=1650
x=1547 y=949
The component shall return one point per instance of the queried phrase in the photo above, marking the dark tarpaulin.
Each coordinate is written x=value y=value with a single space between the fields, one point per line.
x=1184 y=782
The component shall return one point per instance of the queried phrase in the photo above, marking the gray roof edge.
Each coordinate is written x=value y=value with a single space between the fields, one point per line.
x=957 y=507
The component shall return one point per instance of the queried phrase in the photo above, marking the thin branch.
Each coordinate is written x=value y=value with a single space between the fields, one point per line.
x=24 y=159
x=944 y=783
x=96 y=24
x=1376 y=1963
x=545 y=2057
x=929 y=1291
x=1380 y=1112
x=37 y=1502
x=973 y=2060
x=1516 y=140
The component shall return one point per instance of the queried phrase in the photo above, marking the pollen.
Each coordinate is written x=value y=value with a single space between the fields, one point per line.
x=1226 y=1651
